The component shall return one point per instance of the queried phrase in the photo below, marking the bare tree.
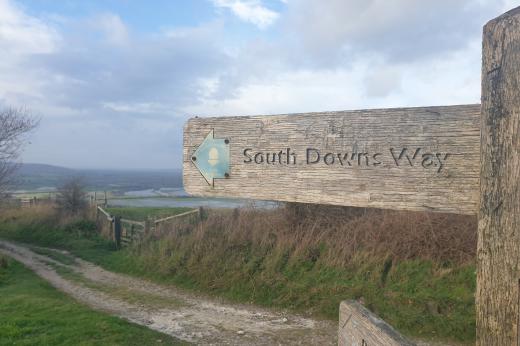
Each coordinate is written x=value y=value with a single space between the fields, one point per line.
x=15 y=125
x=72 y=197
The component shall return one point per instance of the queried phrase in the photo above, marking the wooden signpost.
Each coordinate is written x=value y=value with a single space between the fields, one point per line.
x=456 y=159
x=410 y=158
x=498 y=252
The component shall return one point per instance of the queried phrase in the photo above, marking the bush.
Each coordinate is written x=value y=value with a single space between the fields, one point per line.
x=72 y=197
x=83 y=228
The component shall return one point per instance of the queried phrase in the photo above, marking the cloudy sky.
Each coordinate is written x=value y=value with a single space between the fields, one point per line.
x=114 y=80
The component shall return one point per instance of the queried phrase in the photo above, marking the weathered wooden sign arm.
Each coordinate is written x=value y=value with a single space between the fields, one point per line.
x=405 y=158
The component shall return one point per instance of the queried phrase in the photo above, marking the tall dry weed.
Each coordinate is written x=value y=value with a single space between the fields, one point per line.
x=335 y=236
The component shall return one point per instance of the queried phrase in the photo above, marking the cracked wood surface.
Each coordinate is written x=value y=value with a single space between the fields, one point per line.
x=498 y=255
x=424 y=159
x=359 y=326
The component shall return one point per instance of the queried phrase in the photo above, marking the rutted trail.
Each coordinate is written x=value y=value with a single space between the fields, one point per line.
x=168 y=310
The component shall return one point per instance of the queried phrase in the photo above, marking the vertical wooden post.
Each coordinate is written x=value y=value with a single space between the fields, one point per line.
x=498 y=253
x=202 y=214
x=147 y=226
x=117 y=231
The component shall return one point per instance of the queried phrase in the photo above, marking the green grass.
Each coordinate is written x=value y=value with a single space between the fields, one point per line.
x=34 y=313
x=122 y=293
x=141 y=214
x=55 y=255
x=417 y=297
x=79 y=237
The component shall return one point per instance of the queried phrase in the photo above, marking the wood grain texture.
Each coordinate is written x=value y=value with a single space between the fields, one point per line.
x=498 y=255
x=453 y=130
x=359 y=327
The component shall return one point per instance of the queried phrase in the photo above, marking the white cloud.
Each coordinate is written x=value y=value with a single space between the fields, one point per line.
x=251 y=11
x=92 y=77
x=365 y=83
x=332 y=32
x=97 y=78
x=22 y=38
x=136 y=107
x=510 y=4
x=22 y=34
x=112 y=27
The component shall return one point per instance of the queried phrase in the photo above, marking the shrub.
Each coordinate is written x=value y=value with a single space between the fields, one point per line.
x=72 y=197
x=83 y=228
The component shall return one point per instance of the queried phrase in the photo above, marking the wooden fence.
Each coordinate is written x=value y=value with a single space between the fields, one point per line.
x=28 y=199
x=125 y=232
x=105 y=223
x=133 y=231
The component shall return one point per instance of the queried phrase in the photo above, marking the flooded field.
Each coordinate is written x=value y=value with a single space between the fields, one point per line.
x=177 y=197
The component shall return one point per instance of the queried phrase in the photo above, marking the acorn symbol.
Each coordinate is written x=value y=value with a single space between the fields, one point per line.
x=213 y=156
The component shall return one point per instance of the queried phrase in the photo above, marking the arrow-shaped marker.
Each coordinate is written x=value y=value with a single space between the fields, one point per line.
x=212 y=158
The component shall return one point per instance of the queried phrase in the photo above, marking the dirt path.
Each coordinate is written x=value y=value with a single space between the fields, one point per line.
x=168 y=310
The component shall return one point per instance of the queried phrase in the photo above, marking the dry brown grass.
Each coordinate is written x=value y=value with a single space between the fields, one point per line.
x=38 y=213
x=339 y=235
x=42 y=214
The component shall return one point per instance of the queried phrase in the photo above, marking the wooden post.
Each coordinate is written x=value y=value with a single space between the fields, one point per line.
x=106 y=202
x=498 y=254
x=117 y=231
x=358 y=326
x=202 y=215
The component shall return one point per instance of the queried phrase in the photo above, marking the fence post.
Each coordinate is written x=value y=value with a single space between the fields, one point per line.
x=117 y=231
x=498 y=254
x=202 y=215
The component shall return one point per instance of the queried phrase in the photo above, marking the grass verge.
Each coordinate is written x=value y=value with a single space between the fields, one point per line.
x=34 y=313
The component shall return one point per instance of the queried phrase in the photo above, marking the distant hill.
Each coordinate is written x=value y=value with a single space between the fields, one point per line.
x=34 y=176
x=43 y=169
